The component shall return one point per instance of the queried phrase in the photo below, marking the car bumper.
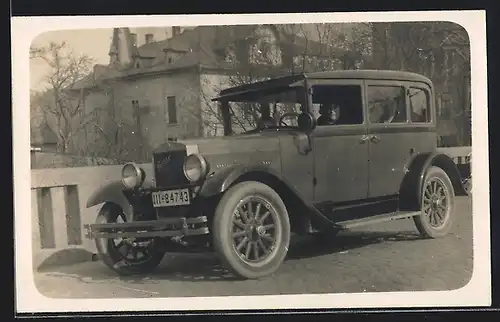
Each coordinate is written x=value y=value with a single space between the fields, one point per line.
x=168 y=227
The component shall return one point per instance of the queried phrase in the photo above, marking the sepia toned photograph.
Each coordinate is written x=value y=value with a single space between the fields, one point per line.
x=206 y=160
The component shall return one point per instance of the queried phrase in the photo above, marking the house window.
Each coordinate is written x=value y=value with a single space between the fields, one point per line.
x=134 y=39
x=149 y=38
x=172 y=110
x=176 y=31
x=230 y=54
x=265 y=50
x=135 y=110
x=419 y=105
x=387 y=104
x=96 y=119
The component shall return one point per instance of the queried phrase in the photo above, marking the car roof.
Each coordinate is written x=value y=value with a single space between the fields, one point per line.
x=369 y=74
x=286 y=81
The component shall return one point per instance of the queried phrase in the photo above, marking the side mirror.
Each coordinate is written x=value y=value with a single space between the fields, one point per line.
x=306 y=122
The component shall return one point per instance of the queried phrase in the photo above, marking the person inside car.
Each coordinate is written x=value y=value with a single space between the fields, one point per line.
x=328 y=114
x=265 y=122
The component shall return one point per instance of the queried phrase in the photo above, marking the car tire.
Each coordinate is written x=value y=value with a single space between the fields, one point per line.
x=237 y=235
x=468 y=185
x=110 y=251
x=437 y=204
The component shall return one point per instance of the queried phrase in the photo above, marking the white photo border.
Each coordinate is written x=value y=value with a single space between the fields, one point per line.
x=476 y=293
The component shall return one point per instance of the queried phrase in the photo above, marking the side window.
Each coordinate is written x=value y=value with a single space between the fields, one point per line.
x=387 y=104
x=419 y=105
x=337 y=104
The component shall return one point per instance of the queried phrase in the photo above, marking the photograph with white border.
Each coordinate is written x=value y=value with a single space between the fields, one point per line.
x=251 y=161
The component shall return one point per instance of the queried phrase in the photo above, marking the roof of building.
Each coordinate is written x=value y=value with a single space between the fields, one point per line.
x=200 y=46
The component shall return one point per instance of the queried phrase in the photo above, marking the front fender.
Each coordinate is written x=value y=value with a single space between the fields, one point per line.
x=222 y=180
x=412 y=184
x=113 y=193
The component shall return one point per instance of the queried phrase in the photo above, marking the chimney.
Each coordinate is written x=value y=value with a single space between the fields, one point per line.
x=176 y=31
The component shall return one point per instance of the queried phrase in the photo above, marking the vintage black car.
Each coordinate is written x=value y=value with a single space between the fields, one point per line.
x=304 y=154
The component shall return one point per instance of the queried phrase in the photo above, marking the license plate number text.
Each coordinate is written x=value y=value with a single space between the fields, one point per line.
x=171 y=198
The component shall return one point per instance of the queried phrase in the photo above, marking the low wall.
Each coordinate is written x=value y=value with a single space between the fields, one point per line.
x=58 y=207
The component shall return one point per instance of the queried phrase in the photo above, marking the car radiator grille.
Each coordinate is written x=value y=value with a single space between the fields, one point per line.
x=168 y=168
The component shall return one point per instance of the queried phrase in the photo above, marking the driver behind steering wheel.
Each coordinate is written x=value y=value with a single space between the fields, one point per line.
x=265 y=122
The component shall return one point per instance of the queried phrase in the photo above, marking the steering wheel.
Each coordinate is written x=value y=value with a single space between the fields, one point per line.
x=282 y=122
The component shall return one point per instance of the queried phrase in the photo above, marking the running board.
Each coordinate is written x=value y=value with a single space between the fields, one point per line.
x=378 y=219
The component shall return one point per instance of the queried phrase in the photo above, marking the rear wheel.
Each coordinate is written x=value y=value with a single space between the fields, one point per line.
x=125 y=256
x=437 y=205
x=251 y=230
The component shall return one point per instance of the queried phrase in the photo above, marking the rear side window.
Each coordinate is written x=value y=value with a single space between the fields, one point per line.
x=386 y=104
x=419 y=105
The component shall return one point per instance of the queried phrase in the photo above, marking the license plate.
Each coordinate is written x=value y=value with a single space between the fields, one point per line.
x=171 y=198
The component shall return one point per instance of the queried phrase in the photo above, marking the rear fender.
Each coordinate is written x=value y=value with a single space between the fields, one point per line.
x=446 y=163
x=297 y=205
x=412 y=184
x=114 y=193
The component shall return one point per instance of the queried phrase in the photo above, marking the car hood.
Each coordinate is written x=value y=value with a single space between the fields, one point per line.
x=253 y=142
x=247 y=149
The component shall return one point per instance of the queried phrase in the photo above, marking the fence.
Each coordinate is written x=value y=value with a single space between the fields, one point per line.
x=58 y=201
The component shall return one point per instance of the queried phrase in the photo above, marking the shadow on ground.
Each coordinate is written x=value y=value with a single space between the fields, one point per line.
x=207 y=267
x=319 y=246
x=63 y=257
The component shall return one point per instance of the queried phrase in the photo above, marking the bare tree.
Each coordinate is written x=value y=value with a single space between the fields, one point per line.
x=421 y=47
x=438 y=50
x=63 y=110
x=37 y=118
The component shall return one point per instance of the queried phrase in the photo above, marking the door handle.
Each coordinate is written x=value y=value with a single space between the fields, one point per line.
x=375 y=139
x=364 y=138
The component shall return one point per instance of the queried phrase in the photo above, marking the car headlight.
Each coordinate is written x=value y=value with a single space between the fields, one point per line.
x=132 y=175
x=195 y=167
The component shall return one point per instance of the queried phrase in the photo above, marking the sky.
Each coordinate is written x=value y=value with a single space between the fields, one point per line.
x=92 y=42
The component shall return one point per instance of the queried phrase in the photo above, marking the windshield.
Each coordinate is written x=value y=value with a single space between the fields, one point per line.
x=266 y=110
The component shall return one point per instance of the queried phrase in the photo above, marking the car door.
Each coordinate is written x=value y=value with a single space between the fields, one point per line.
x=392 y=143
x=422 y=129
x=297 y=163
x=340 y=150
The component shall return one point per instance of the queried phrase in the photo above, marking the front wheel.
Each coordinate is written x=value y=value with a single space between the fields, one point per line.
x=123 y=255
x=437 y=205
x=251 y=230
